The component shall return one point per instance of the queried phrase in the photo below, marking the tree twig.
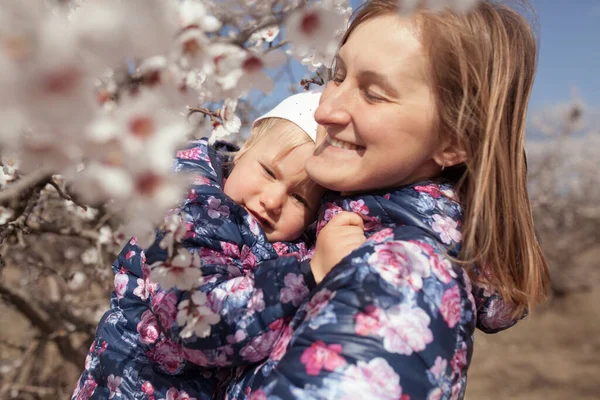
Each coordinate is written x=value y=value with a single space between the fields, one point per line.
x=13 y=191
x=62 y=193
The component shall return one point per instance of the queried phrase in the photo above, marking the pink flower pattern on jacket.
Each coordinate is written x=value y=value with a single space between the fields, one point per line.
x=321 y=356
x=394 y=320
x=138 y=352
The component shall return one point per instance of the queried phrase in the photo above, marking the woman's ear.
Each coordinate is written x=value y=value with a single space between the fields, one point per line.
x=450 y=154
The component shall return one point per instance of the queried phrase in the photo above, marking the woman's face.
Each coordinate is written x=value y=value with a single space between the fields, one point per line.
x=377 y=114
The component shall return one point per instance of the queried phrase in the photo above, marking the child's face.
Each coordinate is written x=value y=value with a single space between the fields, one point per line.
x=278 y=195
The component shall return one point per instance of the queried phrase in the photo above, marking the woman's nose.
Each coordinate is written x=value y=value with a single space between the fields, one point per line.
x=333 y=109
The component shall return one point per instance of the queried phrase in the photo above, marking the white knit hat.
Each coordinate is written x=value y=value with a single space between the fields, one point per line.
x=299 y=109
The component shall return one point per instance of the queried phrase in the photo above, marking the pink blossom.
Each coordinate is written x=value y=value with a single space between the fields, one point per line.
x=276 y=325
x=145 y=288
x=147 y=388
x=240 y=284
x=148 y=328
x=258 y=395
x=174 y=394
x=282 y=343
x=367 y=323
x=280 y=248
x=318 y=302
x=253 y=225
x=439 y=367
x=192 y=195
x=399 y=263
x=165 y=308
x=230 y=249
x=359 y=207
x=201 y=180
x=432 y=190
x=88 y=361
x=320 y=356
x=209 y=256
x=121 y=281
x=88 y=389
x=190 y=154
x=451 y=306
x=331 y=211
x=257 y=302
x=113 y=383
x=103 y=347
x=168 y=355
x=260 y=347
x=456 y=388
x=216 y=209
x=373 y=380
x=295 y=290
x=405 y=329
x=442 y=268
x=459 y=360
x=435 y=394
x=238 y=337
x=446 y=227
x=382 y=235
x=372 y=223
x=198 y=357
x=248 y=258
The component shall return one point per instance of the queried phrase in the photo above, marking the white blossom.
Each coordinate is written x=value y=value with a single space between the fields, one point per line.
x=196 y=316
x=175 y=229
x=265 y=35
x=90 y=256
x=182 y=271
x=194 y=13
x=6 y=215
x=317 y=30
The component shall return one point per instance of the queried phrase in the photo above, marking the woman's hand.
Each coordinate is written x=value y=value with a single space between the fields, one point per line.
x=342 y=235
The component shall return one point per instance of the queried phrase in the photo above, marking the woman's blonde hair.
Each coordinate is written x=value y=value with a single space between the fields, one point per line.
x=482 y=65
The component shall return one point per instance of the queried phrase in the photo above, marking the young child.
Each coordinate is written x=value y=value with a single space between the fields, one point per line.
x=155 y=343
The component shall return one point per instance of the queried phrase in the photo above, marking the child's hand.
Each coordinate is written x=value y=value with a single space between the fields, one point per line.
x=343 y=234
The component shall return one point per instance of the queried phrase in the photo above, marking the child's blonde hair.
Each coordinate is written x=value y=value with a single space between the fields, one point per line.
x=293 y=137
x=481 y=65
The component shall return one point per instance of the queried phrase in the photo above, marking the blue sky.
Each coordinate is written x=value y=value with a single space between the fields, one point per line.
x=569 y=54
x=569 y=34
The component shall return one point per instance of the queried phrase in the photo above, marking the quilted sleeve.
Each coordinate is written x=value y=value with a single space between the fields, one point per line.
x=236 y=316
x=391 y=322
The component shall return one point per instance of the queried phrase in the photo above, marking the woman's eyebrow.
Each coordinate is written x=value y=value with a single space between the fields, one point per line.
x=380 y=80
x=372 y=76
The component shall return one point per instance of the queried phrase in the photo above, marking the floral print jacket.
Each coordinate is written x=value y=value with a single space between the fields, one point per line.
x=393 y=320
x=138 y=352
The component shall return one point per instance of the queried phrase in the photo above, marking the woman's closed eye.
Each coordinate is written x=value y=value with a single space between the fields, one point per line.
x=338 y=78
x=372 y=97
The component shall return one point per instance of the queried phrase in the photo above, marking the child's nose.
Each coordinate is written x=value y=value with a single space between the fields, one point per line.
x=272 y=199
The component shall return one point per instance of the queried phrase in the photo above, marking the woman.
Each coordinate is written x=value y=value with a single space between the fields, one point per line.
x=423 y=137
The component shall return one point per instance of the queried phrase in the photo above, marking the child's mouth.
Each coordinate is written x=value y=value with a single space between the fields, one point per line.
x=262 y=221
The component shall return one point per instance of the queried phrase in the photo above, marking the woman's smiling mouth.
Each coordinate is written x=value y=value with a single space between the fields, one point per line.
x=340 y=144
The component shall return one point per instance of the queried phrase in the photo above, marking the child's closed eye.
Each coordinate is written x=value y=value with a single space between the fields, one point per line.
x=301 y=200
x=268 y=171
